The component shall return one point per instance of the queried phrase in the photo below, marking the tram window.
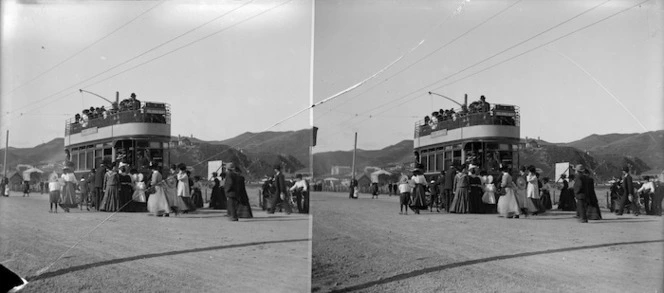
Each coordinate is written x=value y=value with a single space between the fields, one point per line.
x=74 y=159
x=440 y=161
x=98 y=156
x=89 y=156
x=430 y=165
x=142 y=144
x=154 y=145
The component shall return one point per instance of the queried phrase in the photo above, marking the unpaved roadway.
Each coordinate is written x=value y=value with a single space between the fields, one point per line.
x=364 y=245
x=135 y=252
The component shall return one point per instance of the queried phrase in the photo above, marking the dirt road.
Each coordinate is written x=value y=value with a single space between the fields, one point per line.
x=365 y=245
x=134 y=252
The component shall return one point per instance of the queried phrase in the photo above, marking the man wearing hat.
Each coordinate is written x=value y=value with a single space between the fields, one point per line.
x=98 y=193
x=628 y=193
x=581 y=193
x=281 y=192
x=233 y=189
x=448 y=185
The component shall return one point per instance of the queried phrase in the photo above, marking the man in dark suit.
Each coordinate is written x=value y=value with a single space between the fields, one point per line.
x=628 y=193
x=582 y=189
x=98 y=192
x=281 y=192
x=232 y=188
x=448 y=185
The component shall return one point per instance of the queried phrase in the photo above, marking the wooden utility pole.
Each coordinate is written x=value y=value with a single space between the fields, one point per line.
x=4 y=164
x=354 y=151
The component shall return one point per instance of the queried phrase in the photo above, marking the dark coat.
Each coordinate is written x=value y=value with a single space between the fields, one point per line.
x=449 y=179
x=583 y=187
x=628 y=185
x=280 y=184
x=232 y=185
x=100 y=173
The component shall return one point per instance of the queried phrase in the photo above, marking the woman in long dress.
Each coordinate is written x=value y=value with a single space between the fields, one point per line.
x=489 y=197
x=138 y=197
x=592 y=211
x=184 y=188
x=243 y=207
x=197 y=195
x=54 y=191
x=507 y=205
x=567 y=201
x=461 y=202
x=170 y=189
x=521 y=193
x=111 y=202
x=419 y=183
x=68 y=190
x=157 y=202
x=532 y=190
x=126 y=190
x=475 y=193
x=218 y=197
x=546 y=194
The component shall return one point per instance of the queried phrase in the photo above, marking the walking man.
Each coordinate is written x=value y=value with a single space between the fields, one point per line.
x=280 y=193
x=628 y=194
x=232 y=188
x=448 y=185
x=98 y=192
x=581 y=193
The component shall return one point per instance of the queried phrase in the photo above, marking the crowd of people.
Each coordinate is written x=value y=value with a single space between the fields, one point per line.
x=468 y=190
x=118 y=187
x=280 y=194
x=86 y=115
x=444 y=115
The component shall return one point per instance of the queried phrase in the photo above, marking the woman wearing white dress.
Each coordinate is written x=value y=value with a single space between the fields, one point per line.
x=184 y=190
x=507 y=205
x=157 y=202
x=521 y=193
x=489 y=191
x=68 y=190
x=532 y=191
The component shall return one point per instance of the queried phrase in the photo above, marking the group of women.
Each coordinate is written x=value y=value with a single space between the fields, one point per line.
x=175 y=194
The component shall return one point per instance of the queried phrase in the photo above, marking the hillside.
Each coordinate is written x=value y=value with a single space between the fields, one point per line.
x=295 y=143
x=648 y=147
x=394 y=154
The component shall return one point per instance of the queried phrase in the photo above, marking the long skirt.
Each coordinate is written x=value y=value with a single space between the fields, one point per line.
x=218 y=199
x=418 y=202
x=244 y=207
x=524 y=201
x=567 y=201
x=111 y=202
x=475 y=200
x=157 y=202
x=54 y=196
x=461 y=202
x=197 y=198
x=188 y=201
x=68 y=196
x=545 y=200
x=176 y=202
x=125 y=195
x=507 y=205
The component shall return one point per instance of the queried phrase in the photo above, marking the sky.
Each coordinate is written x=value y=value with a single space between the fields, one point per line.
x=247 y=69
x=606 y=78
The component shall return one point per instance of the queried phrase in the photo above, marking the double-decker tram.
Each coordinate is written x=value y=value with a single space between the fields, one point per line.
x=134 y=133
x=484 y=135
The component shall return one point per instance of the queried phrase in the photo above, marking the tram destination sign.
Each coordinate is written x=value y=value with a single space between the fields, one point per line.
x=438 y=133
x=89 y=131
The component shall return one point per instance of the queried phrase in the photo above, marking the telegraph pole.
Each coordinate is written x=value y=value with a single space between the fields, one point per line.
x=354 y=151
x=4 y=164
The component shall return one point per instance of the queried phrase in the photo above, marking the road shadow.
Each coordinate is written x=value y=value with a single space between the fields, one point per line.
x=424 y=271
x=151 y=255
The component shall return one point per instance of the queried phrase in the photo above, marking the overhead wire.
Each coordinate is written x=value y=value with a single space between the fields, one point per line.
x=82 y=50
x=499 y=63
x=139 y=55
x=430 y=53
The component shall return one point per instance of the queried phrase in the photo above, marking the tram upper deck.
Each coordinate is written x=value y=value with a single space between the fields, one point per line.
x=150 y=119
x=501 y=121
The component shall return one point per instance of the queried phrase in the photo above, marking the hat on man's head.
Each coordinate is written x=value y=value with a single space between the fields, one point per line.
x=133 y=95
x=579 y=168
x=230 y=166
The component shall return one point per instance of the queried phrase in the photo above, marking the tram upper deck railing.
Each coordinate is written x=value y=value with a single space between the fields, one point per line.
x=149 y=112
x=498 y=115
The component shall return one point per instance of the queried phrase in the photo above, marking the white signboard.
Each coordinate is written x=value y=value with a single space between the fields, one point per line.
x=89 y=131
x=214 y=166
x=438 y=133
x=562 y=168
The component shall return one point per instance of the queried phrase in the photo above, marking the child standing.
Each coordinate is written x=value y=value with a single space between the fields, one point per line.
x=404 y=189
x=54 y=192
